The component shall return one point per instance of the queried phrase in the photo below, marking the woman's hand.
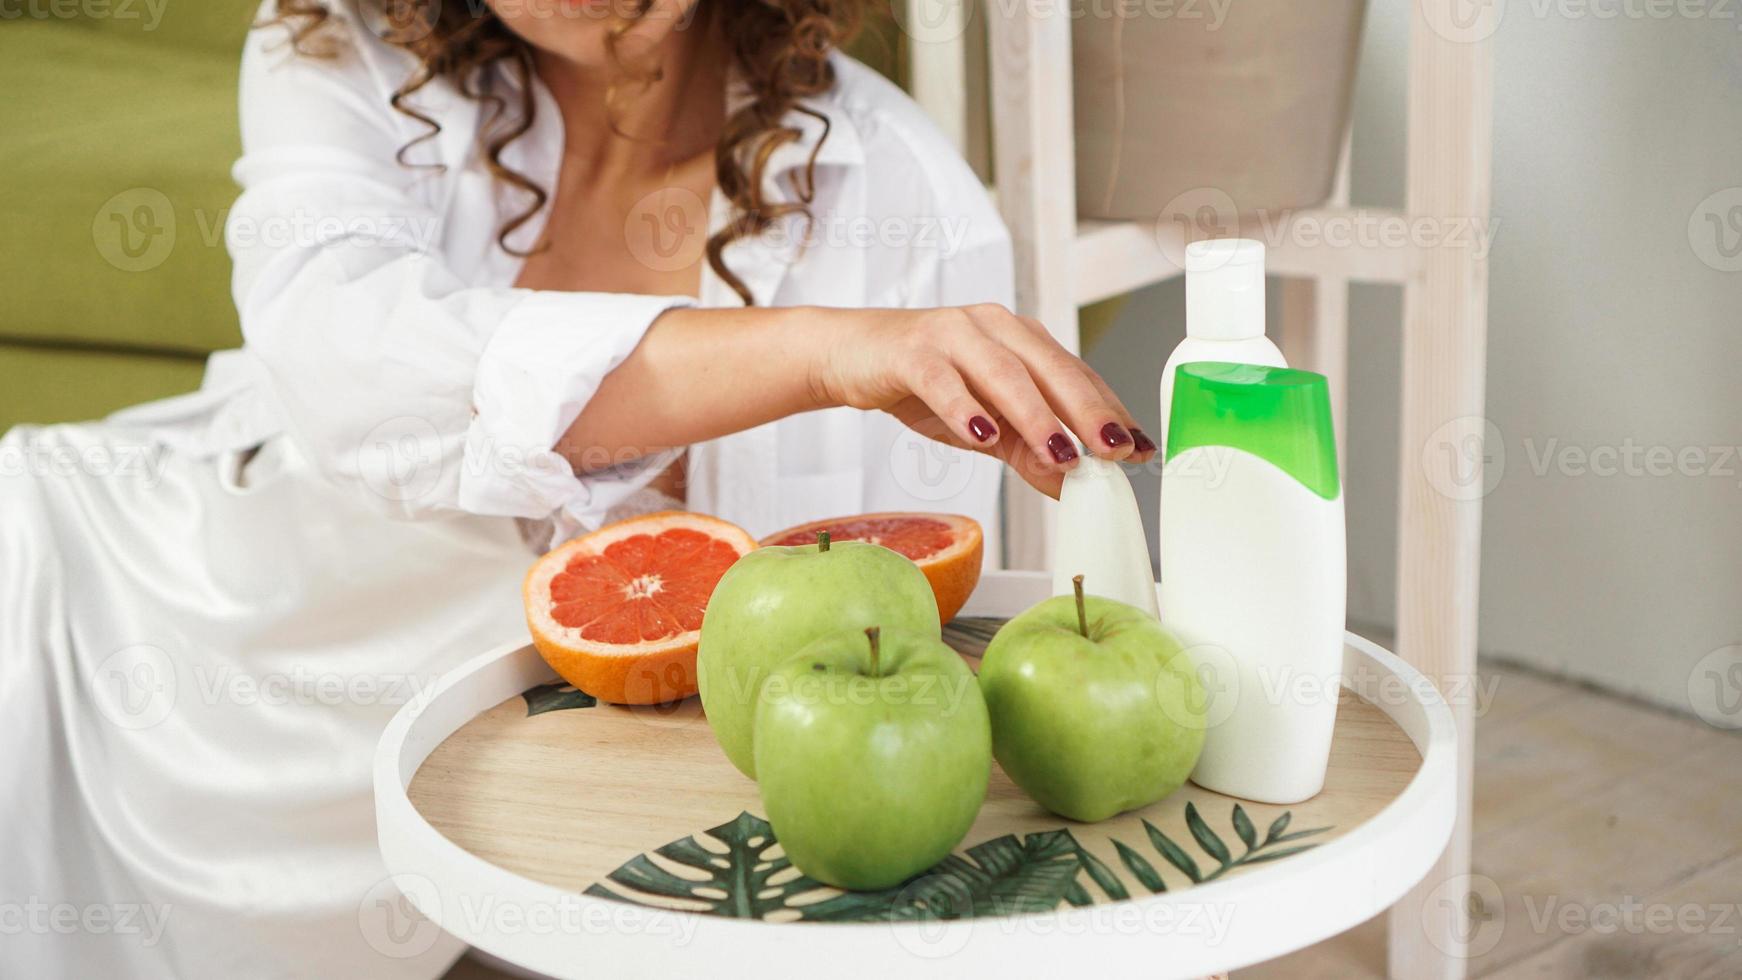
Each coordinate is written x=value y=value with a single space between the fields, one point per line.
x=977 y=377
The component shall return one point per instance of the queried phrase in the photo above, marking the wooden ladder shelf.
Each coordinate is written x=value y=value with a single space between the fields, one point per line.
x=1063 y=263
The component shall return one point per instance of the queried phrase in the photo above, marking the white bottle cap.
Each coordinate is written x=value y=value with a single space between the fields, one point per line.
x=1225 y=289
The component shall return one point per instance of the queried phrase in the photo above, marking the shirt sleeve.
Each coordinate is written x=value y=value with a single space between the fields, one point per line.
x=423 y=393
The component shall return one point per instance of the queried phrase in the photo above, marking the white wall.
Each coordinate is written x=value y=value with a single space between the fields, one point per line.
x=1614 y=329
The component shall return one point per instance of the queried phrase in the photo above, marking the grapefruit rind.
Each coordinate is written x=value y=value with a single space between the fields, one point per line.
x=655 y=669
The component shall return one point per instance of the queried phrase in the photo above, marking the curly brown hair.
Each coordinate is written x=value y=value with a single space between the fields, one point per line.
x=780 y=47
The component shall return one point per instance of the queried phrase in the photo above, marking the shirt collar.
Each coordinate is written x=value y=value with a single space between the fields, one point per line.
x=835 y=142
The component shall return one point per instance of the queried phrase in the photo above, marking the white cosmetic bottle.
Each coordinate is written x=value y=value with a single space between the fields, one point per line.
x=1252 y=571
x=1224 y=312
x=1099 y=535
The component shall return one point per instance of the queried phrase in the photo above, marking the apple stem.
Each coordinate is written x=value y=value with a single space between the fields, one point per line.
x=1082 y=614
x=872 y=633
x=822 y=540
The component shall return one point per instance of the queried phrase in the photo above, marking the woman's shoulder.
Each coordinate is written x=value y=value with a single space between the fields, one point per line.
x=947 y=243
x=331 y=80
x=340 y=36
x=904 y=149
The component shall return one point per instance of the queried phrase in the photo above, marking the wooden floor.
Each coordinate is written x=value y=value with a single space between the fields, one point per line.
x=1608 y=843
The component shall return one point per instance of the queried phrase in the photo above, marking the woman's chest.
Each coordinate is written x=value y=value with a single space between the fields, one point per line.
x=633 y=236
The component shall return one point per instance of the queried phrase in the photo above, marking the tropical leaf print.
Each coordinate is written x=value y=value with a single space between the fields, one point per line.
x=1006 y=875
x=735 y=883
x=556 y=697
x=1256 y=851
x=1002 y=876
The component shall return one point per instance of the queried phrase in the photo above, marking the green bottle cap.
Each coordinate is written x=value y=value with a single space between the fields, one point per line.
x=1277 y=414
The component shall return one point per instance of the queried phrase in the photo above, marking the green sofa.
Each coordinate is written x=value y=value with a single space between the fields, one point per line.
x=119 y=134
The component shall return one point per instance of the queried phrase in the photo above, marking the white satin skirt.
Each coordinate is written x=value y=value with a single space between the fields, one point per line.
x=198 y=653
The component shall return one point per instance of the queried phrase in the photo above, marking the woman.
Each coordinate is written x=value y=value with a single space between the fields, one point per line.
x=551 y=261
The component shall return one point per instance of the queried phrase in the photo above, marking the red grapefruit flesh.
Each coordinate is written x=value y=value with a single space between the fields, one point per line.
x=946 y=547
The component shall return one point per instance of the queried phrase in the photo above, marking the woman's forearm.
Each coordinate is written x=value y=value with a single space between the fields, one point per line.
x=977 y=377
x=700 y=374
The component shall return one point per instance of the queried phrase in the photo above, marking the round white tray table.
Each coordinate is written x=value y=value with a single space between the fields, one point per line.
x=583 y=840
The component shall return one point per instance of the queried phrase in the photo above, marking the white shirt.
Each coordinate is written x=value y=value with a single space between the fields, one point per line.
x=383 y=326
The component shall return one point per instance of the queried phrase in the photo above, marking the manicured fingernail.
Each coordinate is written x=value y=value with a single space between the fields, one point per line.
x=1061 y=447
x=1144 y=443
x=982 y=428
x=1114 y=435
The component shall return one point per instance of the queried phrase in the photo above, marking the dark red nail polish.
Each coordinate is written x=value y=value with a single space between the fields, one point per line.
x=1114 y=434
x=982 y=428
x=1061 y=447
x=1143 y=442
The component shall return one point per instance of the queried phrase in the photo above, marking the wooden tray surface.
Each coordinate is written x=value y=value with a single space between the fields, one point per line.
x=640 y=804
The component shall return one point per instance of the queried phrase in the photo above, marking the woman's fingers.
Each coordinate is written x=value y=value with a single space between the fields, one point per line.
x=1073 y=389
x=1008 y=387
x=937 y=382
x=1142 y=446
x=985 y=379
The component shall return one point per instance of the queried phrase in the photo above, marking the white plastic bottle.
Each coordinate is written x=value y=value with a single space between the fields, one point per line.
x=1224 y=312
x=1252 y=571
x=1099 y=535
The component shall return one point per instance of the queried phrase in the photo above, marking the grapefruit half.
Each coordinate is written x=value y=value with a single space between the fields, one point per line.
x=946 y=547
x=618 y=612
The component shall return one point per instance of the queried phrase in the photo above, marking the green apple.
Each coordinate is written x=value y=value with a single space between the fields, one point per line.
x=775 y=600
x=1096 y=708
x=873 y=751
